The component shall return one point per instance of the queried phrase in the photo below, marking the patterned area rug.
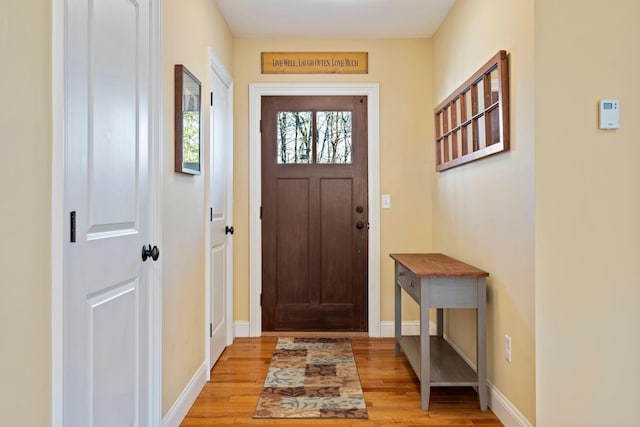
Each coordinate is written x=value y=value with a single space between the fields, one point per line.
x=312 y=378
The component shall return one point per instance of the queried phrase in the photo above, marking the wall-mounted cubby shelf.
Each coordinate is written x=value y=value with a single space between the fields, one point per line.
x=473 y=122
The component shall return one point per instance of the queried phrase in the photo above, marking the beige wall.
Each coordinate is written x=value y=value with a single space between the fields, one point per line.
x=188 y=32
x=403 y=70
x=587 y=214
x=25 y=230
x=484 y=211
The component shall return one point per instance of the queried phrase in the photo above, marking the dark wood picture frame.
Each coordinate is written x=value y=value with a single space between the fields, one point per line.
x=188 y=120
x=473 y=122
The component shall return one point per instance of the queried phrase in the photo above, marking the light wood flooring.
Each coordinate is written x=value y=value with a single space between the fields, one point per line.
x=391 y=391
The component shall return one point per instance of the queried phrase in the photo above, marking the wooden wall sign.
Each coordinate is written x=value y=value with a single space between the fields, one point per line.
x=315 y=62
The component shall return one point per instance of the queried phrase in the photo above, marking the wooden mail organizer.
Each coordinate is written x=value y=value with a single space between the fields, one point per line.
x=438 y=281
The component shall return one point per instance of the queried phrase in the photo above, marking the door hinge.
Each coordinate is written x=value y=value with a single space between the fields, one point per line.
x=260 y=212
x=260 y=126
x=212 y=99
x=210 y=330
x=72 y=226
x=210 y=214
x=260 y=299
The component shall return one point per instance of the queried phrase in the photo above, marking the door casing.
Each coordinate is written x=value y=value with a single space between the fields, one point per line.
x=256 y=91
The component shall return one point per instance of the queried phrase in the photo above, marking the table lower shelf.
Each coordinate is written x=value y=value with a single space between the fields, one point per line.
x=447 y=367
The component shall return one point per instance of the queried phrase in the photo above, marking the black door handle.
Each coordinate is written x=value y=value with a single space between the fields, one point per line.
x=228 y=230
x=150 y=252
x=359 y=225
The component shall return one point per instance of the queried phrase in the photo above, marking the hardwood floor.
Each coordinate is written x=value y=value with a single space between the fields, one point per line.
x=391 y=391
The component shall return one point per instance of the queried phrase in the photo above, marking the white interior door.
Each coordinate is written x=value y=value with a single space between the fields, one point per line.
x=221 y=213
x=106 y=327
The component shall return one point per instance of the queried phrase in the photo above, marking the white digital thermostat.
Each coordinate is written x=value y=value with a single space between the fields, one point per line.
x=609 y=114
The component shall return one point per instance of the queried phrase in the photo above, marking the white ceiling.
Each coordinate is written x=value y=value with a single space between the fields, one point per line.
x=378 y=19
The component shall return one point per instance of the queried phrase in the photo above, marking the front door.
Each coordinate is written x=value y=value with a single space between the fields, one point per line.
x=314 y=213
x=106 y=348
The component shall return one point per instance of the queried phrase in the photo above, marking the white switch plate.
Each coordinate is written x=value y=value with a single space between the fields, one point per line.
x=386 y=201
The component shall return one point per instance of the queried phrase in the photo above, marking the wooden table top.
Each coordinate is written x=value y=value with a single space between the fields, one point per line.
x=437 y=265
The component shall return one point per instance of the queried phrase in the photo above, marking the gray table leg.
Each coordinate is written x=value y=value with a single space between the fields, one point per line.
x=482 y=343
x=398 y=310
x=440 y=320
x=425 y=363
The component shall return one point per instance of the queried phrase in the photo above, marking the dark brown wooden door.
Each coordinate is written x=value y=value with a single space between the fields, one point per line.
x=314 y=213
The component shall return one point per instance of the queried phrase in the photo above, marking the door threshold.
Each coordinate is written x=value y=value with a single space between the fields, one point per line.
x=314 y=334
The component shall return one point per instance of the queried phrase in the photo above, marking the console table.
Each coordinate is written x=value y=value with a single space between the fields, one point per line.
x=438 y=281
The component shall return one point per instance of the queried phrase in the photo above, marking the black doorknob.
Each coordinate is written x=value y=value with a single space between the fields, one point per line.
x=359 y=225
x=228 y=230
x=150 y=252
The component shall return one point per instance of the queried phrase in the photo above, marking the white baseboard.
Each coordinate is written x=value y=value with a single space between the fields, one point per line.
x=506 y=412
x=409 y=327
x=387 y=328
x=241 y=328
x=183 y=403
x=504 y=409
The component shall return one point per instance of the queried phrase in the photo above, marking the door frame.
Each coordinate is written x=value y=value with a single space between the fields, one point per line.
x=256 y=92
x=58 y=215
x=216 y=67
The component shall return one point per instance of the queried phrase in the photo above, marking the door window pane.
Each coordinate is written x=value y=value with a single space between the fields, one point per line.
x=333 y=144
x=294 y=137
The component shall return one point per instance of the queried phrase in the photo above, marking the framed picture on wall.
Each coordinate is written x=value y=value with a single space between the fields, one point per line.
x=187 y=121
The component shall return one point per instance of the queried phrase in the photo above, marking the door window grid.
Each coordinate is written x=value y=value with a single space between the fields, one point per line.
x=296 y=143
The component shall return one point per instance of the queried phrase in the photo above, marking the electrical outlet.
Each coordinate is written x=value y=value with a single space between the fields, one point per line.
x=507 y=348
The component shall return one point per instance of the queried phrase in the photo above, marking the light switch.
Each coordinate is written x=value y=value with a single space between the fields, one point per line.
x=386 y=201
